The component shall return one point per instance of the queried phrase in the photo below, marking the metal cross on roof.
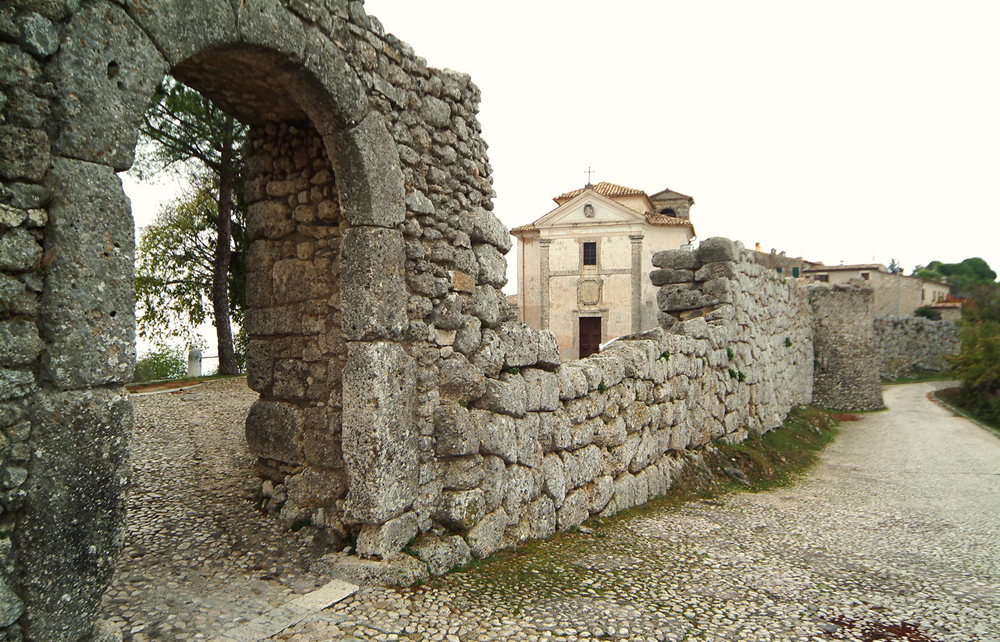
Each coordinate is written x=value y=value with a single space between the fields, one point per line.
x=589 y=172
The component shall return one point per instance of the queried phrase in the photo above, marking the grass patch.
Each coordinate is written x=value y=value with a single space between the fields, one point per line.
x=919 y=376
x=984 y=411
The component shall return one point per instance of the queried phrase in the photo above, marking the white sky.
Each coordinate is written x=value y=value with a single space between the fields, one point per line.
x=852 y=131
x=839 y=131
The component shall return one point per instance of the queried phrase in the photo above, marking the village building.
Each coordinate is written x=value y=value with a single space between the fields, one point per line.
x=583 y=268
x=894 y=293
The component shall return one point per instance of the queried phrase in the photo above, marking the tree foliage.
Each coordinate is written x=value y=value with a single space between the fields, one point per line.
x=962 y=277
x=184 y=131
x=173 y=271
x=162 y=362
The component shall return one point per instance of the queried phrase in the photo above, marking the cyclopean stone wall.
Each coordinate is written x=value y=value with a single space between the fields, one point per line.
x=847 y=363
x=906 y=344
x=514 y=445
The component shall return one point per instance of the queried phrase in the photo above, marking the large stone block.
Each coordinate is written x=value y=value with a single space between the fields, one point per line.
x=487 y=228
x=717 y=248
x=19 y=251
x=369 y=176
x=273 y=431
x=519 y=344
x=442 y=553
x=379 y=435
x=676 y=260
x=104 y=73
x=455 y=432
x=19 y=342
x=373 y=290
x=485 y=538
x=70 y=531
x=87 y=314
x=492 y=265
x=24 y=153
x=181 y=33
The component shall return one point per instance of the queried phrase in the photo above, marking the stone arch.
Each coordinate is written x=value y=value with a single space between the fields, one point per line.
x=71 y=523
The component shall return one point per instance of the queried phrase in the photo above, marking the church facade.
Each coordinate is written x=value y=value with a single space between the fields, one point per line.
x=583 y=268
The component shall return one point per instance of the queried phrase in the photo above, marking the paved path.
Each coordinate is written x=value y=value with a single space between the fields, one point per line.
x=895 y=535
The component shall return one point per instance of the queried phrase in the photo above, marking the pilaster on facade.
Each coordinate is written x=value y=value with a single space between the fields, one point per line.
x=637 y=278
x=543 y=274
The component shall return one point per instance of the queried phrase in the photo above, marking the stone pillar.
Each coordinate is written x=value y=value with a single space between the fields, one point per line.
x=846 y=374
x=194 y=363
x=636 y=282
x=544 y=282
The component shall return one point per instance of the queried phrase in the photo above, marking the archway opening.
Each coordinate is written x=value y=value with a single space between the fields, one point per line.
x=244 y=517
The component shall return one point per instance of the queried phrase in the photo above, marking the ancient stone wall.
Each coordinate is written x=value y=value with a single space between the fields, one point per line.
x=847 y=365
x=906 y=344
x=525 y=446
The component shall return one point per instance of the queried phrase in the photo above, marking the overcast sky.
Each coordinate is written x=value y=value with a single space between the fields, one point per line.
x=838 y=131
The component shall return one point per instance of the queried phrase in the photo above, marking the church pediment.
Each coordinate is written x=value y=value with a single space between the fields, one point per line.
x=590 y=209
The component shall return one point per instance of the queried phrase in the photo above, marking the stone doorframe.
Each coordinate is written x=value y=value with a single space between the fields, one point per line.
x=70 y=529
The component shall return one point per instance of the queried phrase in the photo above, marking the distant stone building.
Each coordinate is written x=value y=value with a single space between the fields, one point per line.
x=783 y=264
x=583 y=268
x=894 y=293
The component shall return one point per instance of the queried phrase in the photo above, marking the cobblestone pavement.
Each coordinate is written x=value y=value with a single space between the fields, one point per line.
x=895 y=535
x=198 y=557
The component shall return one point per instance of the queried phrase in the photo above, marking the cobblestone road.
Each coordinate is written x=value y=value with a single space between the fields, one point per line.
x=895 y=535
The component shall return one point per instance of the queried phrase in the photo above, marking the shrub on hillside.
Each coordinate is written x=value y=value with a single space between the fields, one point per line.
x=926 y=312
x=162 y=362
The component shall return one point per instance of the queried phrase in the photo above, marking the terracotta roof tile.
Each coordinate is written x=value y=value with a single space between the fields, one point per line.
x=663 y=219
x=604 y=189
x=524 y=228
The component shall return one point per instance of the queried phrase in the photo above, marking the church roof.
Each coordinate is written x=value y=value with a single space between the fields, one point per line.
x=663 y=219
x=604 y=189
x=530 y=227
x=671 y=195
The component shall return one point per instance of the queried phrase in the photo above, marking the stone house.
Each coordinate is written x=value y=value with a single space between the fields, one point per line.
x=583 y=268
x=894 y=293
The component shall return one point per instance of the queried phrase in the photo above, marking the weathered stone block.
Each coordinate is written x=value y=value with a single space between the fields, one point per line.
x=664 y=276
x=717 y=248
x=442 y=553
x=19 y=342
x=520 y=344
x=492 y=265
x=461 y=509
x=87 y=311
x=717 y=270
x=487 y=228
x=379 y=436
x=485 y=538
x=455 y=432
x=70 y=531
x=388 y=538
x=24 y=153
x=19 y=251
x=372 y=287
x=369 y=176
x=542 y=388
x=498 y=434
x=507 y=397
x=676 y=260
x=105 y=72
x=273 y=429
x=15 y=383
x=180 y=33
